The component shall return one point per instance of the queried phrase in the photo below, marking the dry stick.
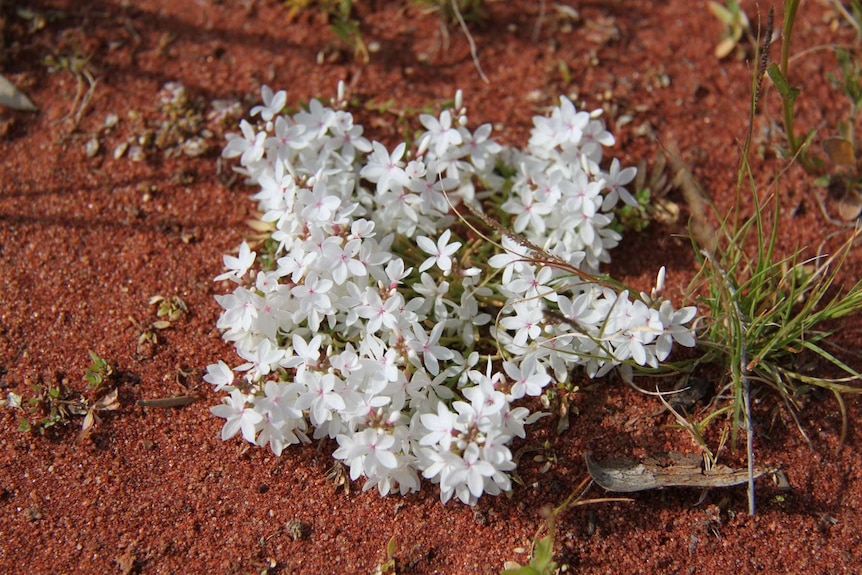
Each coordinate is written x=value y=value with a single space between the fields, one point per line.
x=180 y=401
x=469 y=41
x=847 y=15
x=537 y=28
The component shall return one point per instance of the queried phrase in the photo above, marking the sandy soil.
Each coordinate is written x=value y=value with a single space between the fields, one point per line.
x=88 y=236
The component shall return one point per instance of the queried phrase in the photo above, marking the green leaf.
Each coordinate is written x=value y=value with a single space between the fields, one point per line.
x=523 y=570
x=784 y=89
x=543 y=556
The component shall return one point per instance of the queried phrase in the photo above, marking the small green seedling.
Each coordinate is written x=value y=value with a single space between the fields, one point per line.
x=53 y=405
x=171 y=308
x=558 y=399
x=542 y=557
x=49 y=407
x=78 y=65
x=735 y=25
x=634 y=218
x=98 y=372
x=388 y=566
x=338 y=14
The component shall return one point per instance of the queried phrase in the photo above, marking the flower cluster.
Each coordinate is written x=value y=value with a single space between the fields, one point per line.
x=374 y=315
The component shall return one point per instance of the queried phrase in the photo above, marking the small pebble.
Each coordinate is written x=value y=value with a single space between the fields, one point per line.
x=91 y=148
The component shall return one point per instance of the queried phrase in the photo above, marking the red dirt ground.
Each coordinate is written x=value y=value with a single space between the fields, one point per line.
x=85 y=242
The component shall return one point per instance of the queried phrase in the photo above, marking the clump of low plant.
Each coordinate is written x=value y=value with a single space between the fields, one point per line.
x=765 y=312
x=49 y=406
x=79 y=66
x=185 y=124
x=54 y=405
x=339 y=15
x=98 y=372
x=411 y=298
x=168 y=311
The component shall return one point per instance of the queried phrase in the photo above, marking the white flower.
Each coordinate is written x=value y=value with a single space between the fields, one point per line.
x=471 y=473
x=241 y=310
x=615 y=179
x=319 y=204
x=379 y=313
x=261 y=360
x=526 y=323
x=674 y=322
x=279 y=401
x=317 y=119
x=272 y=104
x=220 y=375
x=441 y=252
x=528 y=211
x=481 y=149
x=441 y=427
x=425 y=344
x=237 y=266
x=314 y=301
x=249 y=146
x=240 y=416
x=532 y=285
x=385 y=169
x=320 y=398
x=529 y=378
x=442 y=134
x=340 y=260
x=307 y=352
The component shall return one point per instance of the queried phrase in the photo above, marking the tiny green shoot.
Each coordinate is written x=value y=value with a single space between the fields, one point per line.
x=98 y=372
x=542 y=561
x=389 y=564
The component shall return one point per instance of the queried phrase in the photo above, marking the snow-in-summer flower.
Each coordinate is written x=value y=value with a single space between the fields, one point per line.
x=375 y=316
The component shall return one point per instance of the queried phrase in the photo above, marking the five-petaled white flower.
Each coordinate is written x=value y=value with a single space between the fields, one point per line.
x=240 y=415
x=272 y=103
x=237 y=266
x=441 y=252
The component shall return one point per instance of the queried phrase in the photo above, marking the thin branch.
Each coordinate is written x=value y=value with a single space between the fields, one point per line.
x=469 y=37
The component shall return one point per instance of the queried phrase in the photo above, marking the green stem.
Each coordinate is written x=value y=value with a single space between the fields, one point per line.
x=790 y=7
